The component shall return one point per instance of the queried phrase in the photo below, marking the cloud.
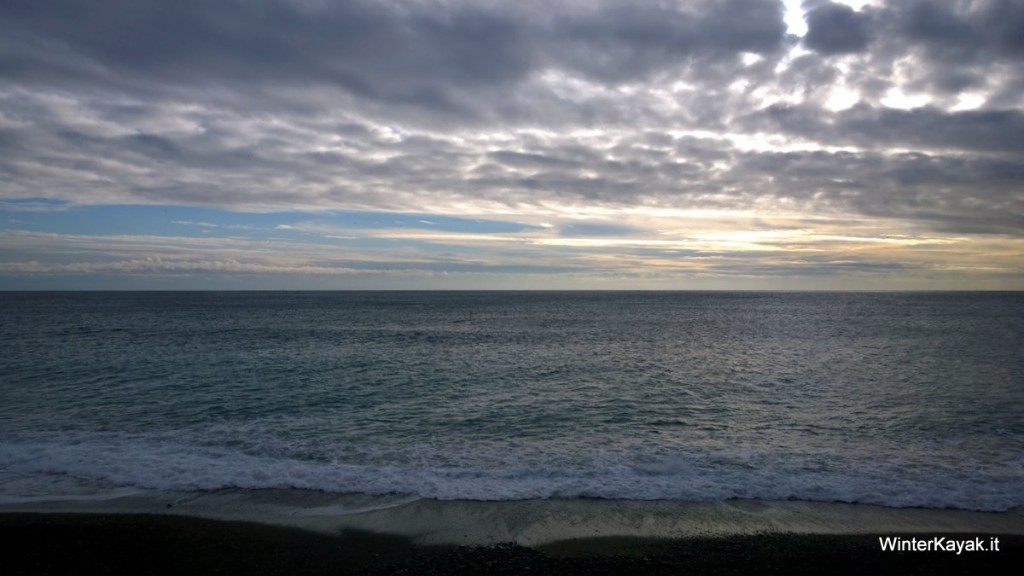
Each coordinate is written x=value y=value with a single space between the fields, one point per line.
x=964 y=30
x=160 y=265
x=924 y=128
x=836 y=29
x=428 y=55
x=945 y=48
x=598 y=229
x=580 y=125
x=952 y=194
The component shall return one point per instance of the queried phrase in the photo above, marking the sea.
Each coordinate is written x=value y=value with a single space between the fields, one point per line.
x=892 y=399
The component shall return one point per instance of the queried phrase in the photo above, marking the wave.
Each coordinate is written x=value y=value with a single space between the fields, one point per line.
x=89 y=465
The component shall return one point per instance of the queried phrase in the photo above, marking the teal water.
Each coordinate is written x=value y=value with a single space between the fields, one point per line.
x=898 y=399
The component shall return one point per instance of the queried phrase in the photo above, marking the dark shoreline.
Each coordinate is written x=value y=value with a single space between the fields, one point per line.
x=40 y=544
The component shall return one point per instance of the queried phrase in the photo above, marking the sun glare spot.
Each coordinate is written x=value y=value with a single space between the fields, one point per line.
x=794 y=17
x=968 y=101
x=749 y=58
x=841 y=99
x=896 y=98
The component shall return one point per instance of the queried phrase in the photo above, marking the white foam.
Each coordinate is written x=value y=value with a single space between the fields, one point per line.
x=48 y=466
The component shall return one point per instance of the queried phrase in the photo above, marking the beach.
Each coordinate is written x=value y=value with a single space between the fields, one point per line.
x=490 y=433
x=463 y=537
x=146 y=544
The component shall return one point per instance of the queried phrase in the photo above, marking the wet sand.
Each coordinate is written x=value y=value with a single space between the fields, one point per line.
x=535 y=523
x=129 y=543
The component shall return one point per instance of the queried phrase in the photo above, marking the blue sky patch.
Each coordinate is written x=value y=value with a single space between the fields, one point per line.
x=41 y=215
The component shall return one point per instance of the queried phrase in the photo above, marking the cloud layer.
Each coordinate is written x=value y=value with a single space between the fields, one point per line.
x=605 y=129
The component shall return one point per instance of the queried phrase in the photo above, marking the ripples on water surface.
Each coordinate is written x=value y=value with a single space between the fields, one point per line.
x=895 y=399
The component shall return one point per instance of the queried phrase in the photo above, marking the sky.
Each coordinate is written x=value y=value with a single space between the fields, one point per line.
x=488 y=144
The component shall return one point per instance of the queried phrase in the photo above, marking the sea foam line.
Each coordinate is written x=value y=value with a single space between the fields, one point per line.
x=84 y=465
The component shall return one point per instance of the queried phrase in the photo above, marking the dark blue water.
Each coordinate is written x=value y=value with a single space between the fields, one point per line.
x=899 y=399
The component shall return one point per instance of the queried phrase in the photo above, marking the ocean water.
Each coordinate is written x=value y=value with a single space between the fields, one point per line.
x=896 y=399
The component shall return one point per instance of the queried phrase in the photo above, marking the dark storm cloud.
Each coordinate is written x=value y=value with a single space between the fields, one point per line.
x=957 y=31
x=370 y=50
x=877 y=127
x=963 y=45
x=836 y=29
x=962 y=30
x=954 y=45
x=628 y=40
x=426 y=54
